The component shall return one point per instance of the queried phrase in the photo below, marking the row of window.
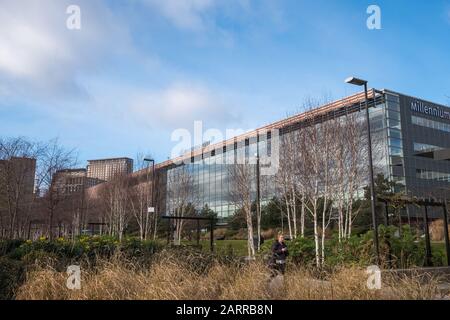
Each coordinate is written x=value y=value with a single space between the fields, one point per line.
x=423 y=122
x=395 y=138
x=432 y=175
x=209 y=184
x=395 y=142
x=423 y=147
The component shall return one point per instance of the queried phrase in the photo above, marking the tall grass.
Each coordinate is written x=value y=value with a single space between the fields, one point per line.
x=173 y=277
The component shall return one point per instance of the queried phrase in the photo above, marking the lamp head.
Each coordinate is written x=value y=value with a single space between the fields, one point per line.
x=356 y=81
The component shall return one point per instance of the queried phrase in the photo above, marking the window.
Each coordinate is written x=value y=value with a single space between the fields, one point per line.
x=393 y=151
x=394 y=133
x=396 y=161
x=394 y=106
x=393 y=142
x=393 y=115
x=377 y=121
x=423 y=147
x=392 y=123
x=393 y=98
x=430 y=124
x=432 y=175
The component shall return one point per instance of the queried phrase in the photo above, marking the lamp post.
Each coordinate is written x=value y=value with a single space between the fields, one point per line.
x=258 y=200
x=153 y=192
x=360 y=82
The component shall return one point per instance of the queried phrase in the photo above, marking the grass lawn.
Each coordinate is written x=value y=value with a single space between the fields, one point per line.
x=439 y=246
x=438 y=249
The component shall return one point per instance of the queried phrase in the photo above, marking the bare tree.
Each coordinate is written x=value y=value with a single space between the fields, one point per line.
x=349 y=172
x=115 y=198
x=355 y=167
x=286 y=180
x=183 y=199
x=241 y=175
x=75 y=207
x=53 y=158
x=140 y=198
x=139 y=203
x=316 y=159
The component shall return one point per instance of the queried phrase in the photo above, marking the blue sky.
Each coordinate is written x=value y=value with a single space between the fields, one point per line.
x=138 y=70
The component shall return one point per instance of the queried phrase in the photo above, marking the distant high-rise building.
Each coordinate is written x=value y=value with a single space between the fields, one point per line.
x=72 y=181
x=107 y=169
x=19 y=173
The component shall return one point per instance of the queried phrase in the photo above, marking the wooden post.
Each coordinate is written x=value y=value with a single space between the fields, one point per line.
x=386 y=213
x=388 y=242
x=198 y=232
x=169 y=230
x=212 y=235
x=447 y=241
x=427 y=238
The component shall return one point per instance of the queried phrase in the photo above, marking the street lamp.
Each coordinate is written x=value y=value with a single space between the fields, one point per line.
x=361 y=82
x=153 y=192
x=258 y=199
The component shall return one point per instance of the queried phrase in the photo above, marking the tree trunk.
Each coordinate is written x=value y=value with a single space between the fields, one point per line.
x=250 y=243
x=294 y=212
x=302 y=218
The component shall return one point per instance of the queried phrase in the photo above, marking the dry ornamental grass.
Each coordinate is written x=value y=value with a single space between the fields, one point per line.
x=174 y=277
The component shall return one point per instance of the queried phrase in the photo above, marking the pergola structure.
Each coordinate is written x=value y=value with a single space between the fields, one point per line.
x=425 y=203
x=198 y=219
x=96 y=225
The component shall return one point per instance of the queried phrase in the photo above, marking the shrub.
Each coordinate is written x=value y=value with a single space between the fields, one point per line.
x=11 y=276
x=351 y=251
x=302 y=250
x=8 y=246
x=403 y=248
x=84 y=247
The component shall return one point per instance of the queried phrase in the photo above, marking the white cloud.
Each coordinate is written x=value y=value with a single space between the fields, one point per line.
x=184 y=14
x=40 y=56
x=179 y=105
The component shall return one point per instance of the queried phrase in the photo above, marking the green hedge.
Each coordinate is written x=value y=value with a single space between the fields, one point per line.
x=398 y=249
x=82 y=247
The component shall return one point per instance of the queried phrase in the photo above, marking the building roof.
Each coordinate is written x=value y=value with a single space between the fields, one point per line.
x=72 y=170
x=353 y=99
x=110 y=159
x=347 y=101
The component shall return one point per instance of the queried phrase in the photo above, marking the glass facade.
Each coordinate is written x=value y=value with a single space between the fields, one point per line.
x=387 y=141
x=393 y=142
x=396 y=143
x=210 y=176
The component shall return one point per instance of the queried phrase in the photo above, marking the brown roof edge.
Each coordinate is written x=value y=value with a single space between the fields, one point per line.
x=109 y=159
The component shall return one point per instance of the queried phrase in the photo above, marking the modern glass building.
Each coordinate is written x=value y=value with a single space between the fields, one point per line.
x=412 y=136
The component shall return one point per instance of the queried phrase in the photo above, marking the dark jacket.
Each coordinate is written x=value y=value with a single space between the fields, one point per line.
x=277 y=252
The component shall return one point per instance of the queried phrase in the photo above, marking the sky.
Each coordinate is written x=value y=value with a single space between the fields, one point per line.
x=138 y=70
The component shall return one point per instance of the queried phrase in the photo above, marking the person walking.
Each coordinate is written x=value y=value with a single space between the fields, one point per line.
x=279 y=255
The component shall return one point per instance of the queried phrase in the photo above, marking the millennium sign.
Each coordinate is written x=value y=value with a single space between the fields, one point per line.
x=421 y=107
